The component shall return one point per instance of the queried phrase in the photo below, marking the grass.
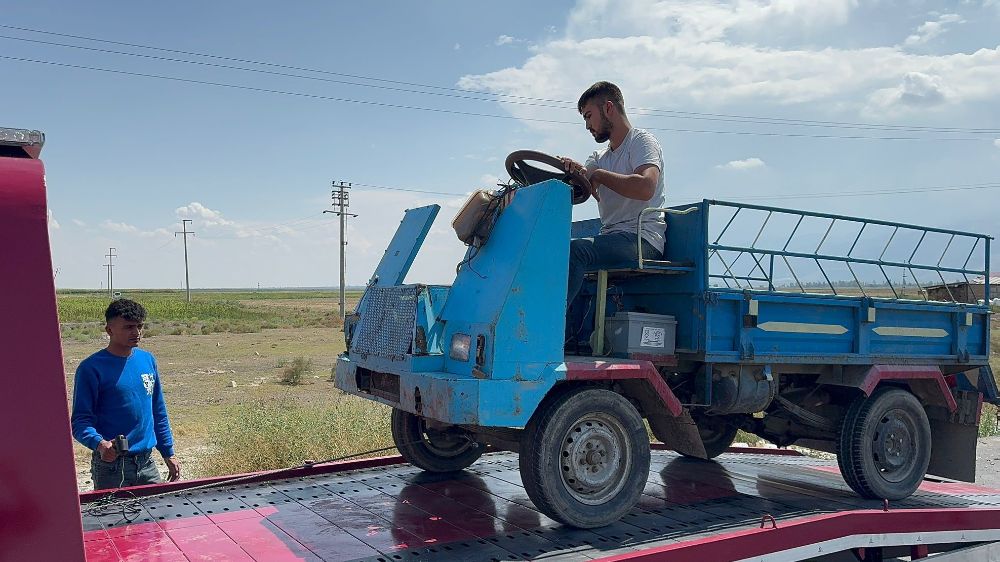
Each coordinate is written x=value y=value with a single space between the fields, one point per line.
x=81 y=313
x=265 y=435
x=293 y=373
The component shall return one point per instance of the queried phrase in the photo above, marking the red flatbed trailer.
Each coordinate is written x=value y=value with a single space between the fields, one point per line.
x=747 y=505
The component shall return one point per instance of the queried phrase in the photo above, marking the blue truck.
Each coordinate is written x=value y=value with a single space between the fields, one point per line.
x=736 y=328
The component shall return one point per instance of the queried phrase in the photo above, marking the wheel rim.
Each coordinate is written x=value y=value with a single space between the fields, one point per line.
x=596 y=457
x=442 y=443
x=893 y=445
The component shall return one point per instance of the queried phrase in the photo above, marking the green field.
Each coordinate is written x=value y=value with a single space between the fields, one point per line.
x=208 y=312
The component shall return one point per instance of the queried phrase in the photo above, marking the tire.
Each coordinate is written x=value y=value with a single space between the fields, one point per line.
x=432 y=450
x=717 y=434
x=585 y=457
x=884 y=445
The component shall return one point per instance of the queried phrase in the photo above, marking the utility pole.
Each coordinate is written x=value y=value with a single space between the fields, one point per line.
x=111 y=255
x=340 y=198
x=185 y=232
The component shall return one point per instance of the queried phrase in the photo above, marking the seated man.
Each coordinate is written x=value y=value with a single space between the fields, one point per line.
x=626 y=177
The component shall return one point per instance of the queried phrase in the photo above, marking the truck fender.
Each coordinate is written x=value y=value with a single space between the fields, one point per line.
x=640 y=382
x=926 y=382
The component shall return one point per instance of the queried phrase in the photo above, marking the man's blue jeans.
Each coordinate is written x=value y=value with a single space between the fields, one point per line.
x=126 y=470
x=604 y=251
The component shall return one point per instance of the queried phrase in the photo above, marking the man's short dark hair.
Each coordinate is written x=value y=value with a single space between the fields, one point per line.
x=601 y=92
x=127 y=309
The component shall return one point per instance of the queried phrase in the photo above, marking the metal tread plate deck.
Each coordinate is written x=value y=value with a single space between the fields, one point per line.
x=396 y=513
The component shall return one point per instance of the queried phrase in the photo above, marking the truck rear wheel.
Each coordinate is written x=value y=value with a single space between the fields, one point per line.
x=430 y=449
x=717 y=434
x=884 y=445
x=585 y=457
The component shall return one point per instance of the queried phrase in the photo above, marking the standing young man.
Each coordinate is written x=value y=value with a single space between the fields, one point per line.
x=626 y=177
x=117 y=392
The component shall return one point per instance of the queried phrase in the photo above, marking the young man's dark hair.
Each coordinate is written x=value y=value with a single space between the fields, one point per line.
x=127 y=309
x=601 y=92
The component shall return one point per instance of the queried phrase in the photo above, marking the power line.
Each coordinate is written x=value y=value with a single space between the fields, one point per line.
x=540 y=102
x=409 y=189
x=468 y=113
x=187 y=278
x=508 y=98
x=896 y=191
x=859 y=193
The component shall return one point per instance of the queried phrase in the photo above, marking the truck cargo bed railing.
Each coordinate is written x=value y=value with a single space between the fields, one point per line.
x=774 y=261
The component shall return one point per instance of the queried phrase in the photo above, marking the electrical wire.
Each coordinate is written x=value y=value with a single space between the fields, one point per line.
x=472 y=113
x=499 y=97
x=896 y=191
x=860 y=193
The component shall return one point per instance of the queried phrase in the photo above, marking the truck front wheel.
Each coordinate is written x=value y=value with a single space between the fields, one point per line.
x=585 y=457
x=885 y=444
x=431 y=449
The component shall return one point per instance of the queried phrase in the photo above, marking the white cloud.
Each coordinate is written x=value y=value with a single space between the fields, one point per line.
x=704 y=20
x=120 y=227
x=745 y=164
x=79 y=223
x=711 y=54
x=457 y=46
x=996 y=143
x=53 y=223
x=915 y=90
x=931 y=29
x=504 y=40
x=208 y=217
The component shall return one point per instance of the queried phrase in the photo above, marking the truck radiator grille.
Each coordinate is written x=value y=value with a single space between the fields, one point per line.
x=386 y=326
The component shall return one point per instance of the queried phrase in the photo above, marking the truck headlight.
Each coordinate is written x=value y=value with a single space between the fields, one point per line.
x=460 y=344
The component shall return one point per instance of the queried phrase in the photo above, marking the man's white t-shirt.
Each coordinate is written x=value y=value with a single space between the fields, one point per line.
x=619 y=213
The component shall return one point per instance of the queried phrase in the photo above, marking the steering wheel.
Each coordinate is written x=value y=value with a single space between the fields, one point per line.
x=524 y=174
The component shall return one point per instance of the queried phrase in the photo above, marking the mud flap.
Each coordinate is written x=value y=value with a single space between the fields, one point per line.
x=953 y=450
x=680 y=433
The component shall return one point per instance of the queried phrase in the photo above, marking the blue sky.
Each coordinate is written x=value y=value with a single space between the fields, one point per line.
x=128 y=157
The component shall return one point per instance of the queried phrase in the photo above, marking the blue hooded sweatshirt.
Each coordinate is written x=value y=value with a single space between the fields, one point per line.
x=115 y=396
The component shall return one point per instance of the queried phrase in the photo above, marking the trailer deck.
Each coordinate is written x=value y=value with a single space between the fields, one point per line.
x=749 y=504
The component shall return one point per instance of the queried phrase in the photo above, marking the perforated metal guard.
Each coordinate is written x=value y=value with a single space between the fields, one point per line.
x=386 y=329
x=398 y=513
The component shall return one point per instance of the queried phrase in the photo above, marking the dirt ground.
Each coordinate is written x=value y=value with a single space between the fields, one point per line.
x=988 y=462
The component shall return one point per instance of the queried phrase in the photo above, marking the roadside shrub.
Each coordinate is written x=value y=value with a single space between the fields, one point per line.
x=988 y=422
x=292 y=374
x=270 y=434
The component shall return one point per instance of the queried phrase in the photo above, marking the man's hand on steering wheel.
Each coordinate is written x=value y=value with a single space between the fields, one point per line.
x=525 y=174
x=573 y=167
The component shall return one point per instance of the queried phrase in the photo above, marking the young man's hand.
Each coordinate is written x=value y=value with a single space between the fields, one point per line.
x=571 y=166
x=106 y=449
x=173 y=469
